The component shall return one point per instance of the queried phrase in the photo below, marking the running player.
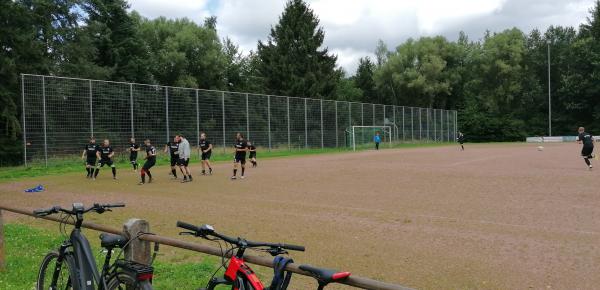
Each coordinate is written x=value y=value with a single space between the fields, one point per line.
x=240 y=155
x=105 y=154
x=461 y=140
x=89 y=155
x=133 y=153
x=184 y=158
x=206 y=148
x=173 y=149
x=150 y=161
x=252 y=156
x=587 y=152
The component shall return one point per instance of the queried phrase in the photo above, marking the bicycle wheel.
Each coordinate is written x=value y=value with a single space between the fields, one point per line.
x=67 y=279
x=124 y=281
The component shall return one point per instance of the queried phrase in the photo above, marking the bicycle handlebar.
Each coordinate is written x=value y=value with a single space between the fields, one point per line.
x=77 y=209
x=207 y=230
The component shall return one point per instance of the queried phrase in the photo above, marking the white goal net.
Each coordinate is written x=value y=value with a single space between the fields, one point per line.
x=364 y=136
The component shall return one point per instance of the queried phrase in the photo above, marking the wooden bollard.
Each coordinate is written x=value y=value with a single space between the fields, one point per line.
x=2 y=262
x=137 y=250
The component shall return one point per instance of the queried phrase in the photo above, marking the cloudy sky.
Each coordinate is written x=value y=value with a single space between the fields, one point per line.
x=353 y=27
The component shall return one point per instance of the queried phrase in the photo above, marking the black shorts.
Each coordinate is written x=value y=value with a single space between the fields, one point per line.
x=183 y=162
x=103 y=162
x=252 y=155
x=148 y=164
x=174 y=160
x=586 y=151
x=91 y=161
x=240 y=159
x=206 y=155
x=133 y=158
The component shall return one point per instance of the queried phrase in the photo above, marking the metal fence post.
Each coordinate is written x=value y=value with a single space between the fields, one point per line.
x=288 y=124
x=167 y=111
x=24 y=125
x=448 y=124
x=305 y=125
x=322 y=124
x=44 y=111
x=362 y=114
x=198 y=121
x=434 y=126
x=269 y=119
x=247 y=119
x=91 y=109
x=420 y=126
x=441 y=125
x=403 y=134
x=455 y=124
x=336 y=125
x=223 y=118
x=412 y=124
x=373 y=115
x=131 y=109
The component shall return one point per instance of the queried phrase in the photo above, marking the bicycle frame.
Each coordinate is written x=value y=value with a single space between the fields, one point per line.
x=238 y=274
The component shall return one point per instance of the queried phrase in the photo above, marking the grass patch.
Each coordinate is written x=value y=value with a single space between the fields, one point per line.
x=26 y=246
x=57 y=166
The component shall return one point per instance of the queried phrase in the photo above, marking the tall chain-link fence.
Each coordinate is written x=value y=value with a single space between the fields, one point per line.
x=61 y=114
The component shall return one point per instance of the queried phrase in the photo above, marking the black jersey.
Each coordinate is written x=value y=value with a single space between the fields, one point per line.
x=150 y=153
x=461 y=138
x=240 y=144
x=90 y=150
x=133 y=150
x=173 y=149
x=204 y=145
x=252 y=148
x=104 y=152
x=586 y=139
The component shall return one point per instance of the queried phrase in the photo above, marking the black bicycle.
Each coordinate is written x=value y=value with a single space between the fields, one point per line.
x=74 y=267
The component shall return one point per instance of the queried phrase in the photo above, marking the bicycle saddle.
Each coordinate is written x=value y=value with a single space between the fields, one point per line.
x=112 y=241
x=325 y=275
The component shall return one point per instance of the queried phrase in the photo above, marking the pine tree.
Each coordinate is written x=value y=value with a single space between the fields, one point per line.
x=364 y=80
x=292 y=62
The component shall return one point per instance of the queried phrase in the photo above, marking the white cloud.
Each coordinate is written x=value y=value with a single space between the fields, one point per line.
x=353 y=27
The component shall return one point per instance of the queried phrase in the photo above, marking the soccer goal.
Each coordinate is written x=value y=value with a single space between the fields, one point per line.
x=362 y=136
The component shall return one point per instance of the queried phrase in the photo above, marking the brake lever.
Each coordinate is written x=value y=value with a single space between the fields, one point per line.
x=187 y=233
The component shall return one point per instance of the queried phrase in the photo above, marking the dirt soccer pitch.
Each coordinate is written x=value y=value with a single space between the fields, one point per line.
x=499 y=216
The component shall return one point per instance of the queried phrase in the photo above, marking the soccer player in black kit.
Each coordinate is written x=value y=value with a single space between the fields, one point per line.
x=587 y=152
x=105 y=154
x=240 y=155
x=150 y=161
x=206 y=148
x=89 y=155
x=133 y=153
x=252 y=151
x=173 y=149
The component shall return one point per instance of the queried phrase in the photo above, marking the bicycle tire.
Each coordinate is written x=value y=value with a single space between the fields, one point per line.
x=46 y=272
x=122 y=280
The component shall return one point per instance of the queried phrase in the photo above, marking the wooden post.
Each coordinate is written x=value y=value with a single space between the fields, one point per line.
x=137 y=250
x=2 y=262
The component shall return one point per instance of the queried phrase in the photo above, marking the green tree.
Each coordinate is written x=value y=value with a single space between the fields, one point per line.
x=364 y=80
x=292 y=61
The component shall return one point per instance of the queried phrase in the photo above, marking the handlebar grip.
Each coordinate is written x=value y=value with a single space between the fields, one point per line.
x=294 y=247
x=118 y=204
x=46 y=211
x=187 y=226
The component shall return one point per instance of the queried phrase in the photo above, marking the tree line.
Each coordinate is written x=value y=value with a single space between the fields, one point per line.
x=497 y=83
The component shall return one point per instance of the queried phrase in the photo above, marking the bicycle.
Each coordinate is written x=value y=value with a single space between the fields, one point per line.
x=237 y=274
x=324 y=276
x=74 y=267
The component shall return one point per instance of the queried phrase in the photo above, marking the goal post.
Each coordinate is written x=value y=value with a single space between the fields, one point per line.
x=363 y=135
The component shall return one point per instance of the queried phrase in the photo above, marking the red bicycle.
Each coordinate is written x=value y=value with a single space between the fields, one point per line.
x=237 y=274
x=324 y=276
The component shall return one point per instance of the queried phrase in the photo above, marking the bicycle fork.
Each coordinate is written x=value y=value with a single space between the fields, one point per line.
x=58 y=267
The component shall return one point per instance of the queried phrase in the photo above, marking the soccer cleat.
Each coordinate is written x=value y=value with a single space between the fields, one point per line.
x=114 y=177
x=141 y=183
x=242 y=177
x=210 y=171
x=150 y=180
x=233 y=178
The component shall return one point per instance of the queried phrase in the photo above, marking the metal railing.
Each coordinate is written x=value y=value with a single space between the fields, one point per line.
x=355 y=281
x=60 y=114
